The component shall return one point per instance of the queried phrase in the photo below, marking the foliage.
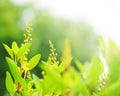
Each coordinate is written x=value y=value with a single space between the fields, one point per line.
x=60 y=78
x=10 y=16
x=82 y=36
x=13 y=21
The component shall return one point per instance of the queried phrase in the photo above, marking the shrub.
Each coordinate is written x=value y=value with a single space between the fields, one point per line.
x=60 y=78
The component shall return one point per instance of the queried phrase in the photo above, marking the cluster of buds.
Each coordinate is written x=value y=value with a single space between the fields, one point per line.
x=27 y=39
x=27 y=36
x=103 y=81
x=103 y=77
x=29 y=75
x=53 y=55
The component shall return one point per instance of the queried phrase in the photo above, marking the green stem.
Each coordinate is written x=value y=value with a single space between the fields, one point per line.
x=25 y=74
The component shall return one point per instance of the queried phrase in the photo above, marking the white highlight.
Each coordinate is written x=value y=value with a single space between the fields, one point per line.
x=103 y=15
x=104 y=63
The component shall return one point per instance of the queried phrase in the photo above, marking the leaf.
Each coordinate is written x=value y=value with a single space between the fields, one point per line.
x=15 y=73
x=9 y=84
x=95 y=70
x=37 y=83
x=15 y=47
x=80 y=65
x=66 y=56
x=33 y=61
x=81 y=88
x=23 y=49
x=101 y=42
x=53 y=77
x=112 y=90
x=36 y=94
x=10 y=52
x=14 y=69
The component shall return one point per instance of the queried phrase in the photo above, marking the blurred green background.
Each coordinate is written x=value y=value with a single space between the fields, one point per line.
x=13 y=22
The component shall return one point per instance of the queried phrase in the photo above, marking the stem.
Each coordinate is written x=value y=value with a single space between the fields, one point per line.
x=15 y=59
x=25 y=74
x=19 y=89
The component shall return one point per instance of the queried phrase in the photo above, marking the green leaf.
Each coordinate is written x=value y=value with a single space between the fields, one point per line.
x=112 y=90
x=81 y=88
x=95 y=70
x=34 y=61
x=23 y=49
x=53 y=77
x=37 y=83
x=15 y=73
x=36 y=94
x=10 y=52
x=15 y=47
x=9 y=84
x=101 y=42
x=95 y=94
x=80 y=65
x=14 y=69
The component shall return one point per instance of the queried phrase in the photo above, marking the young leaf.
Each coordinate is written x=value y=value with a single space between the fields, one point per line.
x=101 y=42
x=15 y=47
x=80 y=88
x=14 y=69
x=80 y=65
x=37 y=83
x=23 y=49
x=95 y=71
x=34 y=61
x=53 y=77
x=112 y=90
x=10 y=52
x=9 y=83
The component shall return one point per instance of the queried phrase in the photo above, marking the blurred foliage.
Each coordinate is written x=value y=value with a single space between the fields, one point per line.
x=111 y=54
x=61 y=78
x=9 y=31
x=82 y=37
x=13 y=18
x=58 y=74
x=58 y=78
